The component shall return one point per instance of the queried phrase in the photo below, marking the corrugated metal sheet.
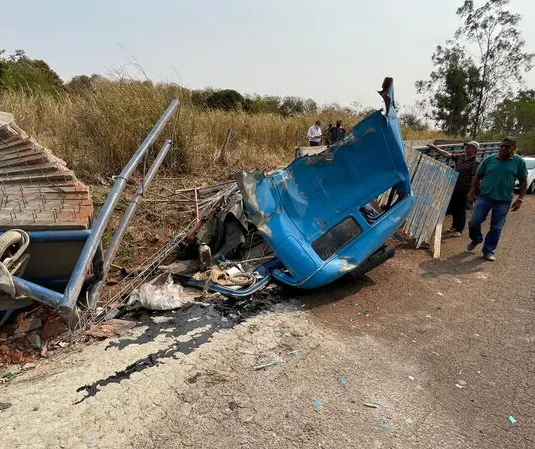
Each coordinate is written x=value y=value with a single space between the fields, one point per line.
x=37 y=190
x=432 y=186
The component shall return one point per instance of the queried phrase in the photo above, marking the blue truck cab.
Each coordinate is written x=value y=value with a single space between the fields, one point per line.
x=315 y=213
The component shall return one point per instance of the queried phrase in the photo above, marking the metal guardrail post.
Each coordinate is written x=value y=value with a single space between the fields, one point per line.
x=37 y=292
x=111 y=251
x=76 y=281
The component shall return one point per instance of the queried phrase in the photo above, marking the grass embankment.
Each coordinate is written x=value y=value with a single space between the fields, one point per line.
x=97 y=132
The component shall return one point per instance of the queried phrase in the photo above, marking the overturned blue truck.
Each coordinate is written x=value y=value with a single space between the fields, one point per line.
x=316 y=214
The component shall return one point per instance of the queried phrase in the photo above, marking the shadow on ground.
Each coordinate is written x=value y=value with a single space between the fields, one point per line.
x=461 y=263
x=194 y=325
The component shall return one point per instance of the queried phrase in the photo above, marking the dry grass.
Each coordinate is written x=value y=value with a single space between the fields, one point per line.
x=96 y=133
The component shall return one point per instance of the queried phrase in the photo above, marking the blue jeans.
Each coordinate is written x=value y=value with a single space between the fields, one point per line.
x=499 y=213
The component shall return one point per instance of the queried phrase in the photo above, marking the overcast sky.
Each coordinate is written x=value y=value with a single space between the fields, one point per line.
x=330 y=50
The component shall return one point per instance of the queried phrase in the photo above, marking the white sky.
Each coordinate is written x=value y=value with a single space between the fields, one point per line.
x=332 y=51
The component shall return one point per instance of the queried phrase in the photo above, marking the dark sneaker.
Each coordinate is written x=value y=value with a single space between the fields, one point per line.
x=489 y=257
x=471 y=246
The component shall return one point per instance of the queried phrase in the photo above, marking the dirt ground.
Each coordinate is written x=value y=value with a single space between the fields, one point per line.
x=420 y=354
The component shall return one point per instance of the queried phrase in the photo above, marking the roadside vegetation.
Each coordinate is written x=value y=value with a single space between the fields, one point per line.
x=477 y=85
x=95 y=123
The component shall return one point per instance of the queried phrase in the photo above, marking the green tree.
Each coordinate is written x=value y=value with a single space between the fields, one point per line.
x=492 y=33
x=266 y=104
x=18 y=72
x=199 y=96
x=451 y=89
x=271 y=103
x=310 y=106
x=226 y=99
x=411 y=120
x=82 y=84
x=292 y=106
x=515 y=116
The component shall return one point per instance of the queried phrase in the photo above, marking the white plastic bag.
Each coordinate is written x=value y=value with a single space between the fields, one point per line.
x=158 y=295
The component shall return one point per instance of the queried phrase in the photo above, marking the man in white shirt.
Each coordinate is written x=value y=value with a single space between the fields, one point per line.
x=314 y=134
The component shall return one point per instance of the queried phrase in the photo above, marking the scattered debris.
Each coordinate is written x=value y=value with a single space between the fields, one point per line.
x=5 y=406
x=26 y=325
x=341 y=380
x=461 y=382
x=28 y=366
x=267 y=365
x=360 y=308
x=411 y=378
x=53 y=328
x=385 y=426
x=460 y=387
x=160 y=294
x=370 y=405
x=189 y=266
x=108 y=329
x=513 y=420
x=233 y=406
x=35 y=341
x=317 y=403
x=11 y=371
x=440 y=294
x=294 y=353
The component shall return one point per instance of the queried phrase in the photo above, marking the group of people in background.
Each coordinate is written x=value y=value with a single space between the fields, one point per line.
x=490 y=186
x=328 y=136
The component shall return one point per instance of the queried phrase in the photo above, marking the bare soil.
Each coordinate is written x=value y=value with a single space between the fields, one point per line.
x=419 y=354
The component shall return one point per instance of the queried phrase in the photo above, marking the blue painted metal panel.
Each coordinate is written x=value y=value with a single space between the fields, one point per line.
x=293 y=207
x=79 y=235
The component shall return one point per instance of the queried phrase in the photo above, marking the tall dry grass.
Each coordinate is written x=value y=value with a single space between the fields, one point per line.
x=97 y=132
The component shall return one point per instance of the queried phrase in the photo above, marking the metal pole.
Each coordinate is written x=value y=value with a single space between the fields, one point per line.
x=111 y=251
x=77 y=278
x=37 y=292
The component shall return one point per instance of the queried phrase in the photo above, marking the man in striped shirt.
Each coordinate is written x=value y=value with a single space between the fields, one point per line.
x=466 y=164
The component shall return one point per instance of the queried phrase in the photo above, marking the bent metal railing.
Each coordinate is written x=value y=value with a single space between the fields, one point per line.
x=92 y=251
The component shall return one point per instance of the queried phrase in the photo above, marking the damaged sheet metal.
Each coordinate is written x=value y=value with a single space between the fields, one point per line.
x=310 y=213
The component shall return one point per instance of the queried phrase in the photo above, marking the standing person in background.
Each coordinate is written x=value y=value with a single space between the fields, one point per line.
x=337 y=133
x=314 y=134
x=496 y=176
x=327 y=134
x=466 y=164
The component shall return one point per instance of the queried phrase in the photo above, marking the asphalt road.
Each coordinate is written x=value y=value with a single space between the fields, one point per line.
x=420 y=354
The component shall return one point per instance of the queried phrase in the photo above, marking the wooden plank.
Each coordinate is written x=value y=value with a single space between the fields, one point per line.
x=438 y=241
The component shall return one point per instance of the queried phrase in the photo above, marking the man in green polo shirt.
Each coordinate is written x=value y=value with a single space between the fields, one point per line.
x=495 y=179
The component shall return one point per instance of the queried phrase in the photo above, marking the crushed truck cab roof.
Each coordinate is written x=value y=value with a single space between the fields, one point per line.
x=317 y=214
